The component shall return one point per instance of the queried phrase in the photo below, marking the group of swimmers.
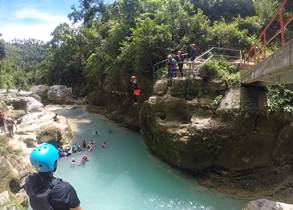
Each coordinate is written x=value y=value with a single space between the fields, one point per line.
x=82 y=146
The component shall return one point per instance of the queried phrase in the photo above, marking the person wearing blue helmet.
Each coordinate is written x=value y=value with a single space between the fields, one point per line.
x=44 y=190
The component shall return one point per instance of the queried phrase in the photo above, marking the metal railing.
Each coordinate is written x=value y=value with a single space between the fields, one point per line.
x=214 y=52
x=259 y=50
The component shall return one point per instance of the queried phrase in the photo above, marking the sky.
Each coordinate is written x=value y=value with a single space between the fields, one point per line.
x=23 y=19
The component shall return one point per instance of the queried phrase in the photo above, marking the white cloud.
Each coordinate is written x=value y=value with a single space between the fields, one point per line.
x=17 y=28
x=39 y=15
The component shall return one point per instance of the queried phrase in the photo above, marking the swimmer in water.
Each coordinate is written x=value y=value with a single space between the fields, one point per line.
x=83 y=145
x=90 y=147
x=73 y=162
x=79 y=148
x=84 y=158
x=104 y=144
x=110 y=130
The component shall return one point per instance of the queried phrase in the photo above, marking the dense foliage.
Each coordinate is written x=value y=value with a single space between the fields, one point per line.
x=116 y=40
x=280 y=99
x=22 y=61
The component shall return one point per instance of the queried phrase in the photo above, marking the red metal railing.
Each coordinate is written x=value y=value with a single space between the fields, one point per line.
x=259 y=50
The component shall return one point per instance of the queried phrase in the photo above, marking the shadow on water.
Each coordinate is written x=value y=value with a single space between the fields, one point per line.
x=124 y=176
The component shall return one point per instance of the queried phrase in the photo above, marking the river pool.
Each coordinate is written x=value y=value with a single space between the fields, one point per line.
x=125 y=176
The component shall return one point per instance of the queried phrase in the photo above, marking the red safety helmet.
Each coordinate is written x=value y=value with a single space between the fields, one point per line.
x=133 y=77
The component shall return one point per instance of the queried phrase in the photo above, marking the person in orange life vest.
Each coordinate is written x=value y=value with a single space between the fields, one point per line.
x=134 y=87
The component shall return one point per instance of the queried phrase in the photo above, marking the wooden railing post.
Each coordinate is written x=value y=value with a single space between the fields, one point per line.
x=265 y=45
x=282 y=29
x=254 y=53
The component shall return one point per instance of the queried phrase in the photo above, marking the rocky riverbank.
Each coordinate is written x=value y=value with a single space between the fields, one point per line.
x=34 y=125
x=240 y=152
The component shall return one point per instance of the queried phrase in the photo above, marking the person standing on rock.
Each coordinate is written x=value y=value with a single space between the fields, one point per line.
x=192 y=56
x=180 y=61
x=10 y=126
x=44 y=190
x=2 y=125
x=171 y=63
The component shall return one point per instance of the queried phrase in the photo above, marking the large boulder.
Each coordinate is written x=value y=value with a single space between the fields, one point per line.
x=17 y=103
x=4 y=198
x=40 y=90
x=45 y=128
x=33 y=105
x=179 y=87
x=216 y=86
x=231 y=100
x=196 y=86
x=7 y=173
x=29 y=104
x=59 y=94
x=264 y=204
x=161 y=87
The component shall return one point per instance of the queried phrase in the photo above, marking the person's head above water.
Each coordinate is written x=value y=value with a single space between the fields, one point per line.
x=44 y=158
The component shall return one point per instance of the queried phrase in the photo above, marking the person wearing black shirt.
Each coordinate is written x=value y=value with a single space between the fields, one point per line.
x=44 y=190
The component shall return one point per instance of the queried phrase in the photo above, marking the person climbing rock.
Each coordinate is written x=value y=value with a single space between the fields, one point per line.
x=135 y=88
x=180 y=62
x=46 y=192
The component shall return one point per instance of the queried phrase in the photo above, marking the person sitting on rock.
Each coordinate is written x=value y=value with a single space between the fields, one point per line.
x=55 y=118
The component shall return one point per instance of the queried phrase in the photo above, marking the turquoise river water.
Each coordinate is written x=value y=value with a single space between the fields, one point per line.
x=125 y=176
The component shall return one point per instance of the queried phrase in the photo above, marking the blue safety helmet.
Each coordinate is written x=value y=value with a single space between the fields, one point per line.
x=44 y=157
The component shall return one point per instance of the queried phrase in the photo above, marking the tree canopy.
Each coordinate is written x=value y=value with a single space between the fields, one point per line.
x=115 y=40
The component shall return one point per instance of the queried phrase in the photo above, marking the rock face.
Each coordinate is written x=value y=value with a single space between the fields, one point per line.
x=7 y=172
x=33 y=105
x=264 y=204
x=235 y=145
x=29 y=104
x=44 y=128
x=59 y=94
x=40 y=90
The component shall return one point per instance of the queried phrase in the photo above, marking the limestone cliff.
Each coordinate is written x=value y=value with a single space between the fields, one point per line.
x=34 y=125
x=248 y=150
x=113 y=99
